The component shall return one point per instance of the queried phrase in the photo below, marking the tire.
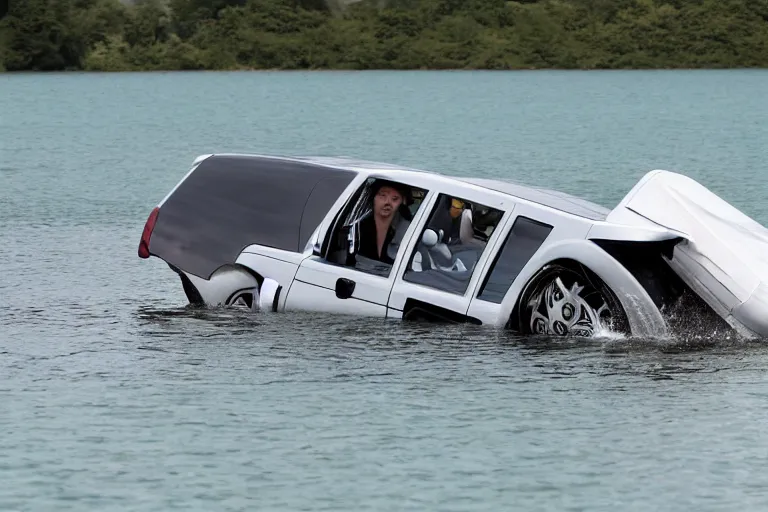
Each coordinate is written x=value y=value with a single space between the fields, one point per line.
x=230 y=285
x=569 y=300
x=247 y=298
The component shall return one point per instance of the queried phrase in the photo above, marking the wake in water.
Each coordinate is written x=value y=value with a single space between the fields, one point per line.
x=691 y=324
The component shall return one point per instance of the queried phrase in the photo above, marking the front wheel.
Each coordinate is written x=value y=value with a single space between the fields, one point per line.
x=569 y=301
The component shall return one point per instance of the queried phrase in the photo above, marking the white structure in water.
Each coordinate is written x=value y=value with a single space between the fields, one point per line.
x=280 y=234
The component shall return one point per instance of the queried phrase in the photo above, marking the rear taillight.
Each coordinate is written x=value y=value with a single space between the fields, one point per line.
x=147 y=234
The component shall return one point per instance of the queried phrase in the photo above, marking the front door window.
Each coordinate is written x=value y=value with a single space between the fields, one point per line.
x=451 y=244
x=369 y=232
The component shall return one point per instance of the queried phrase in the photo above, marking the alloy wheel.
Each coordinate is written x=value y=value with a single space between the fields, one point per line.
x=562 y=301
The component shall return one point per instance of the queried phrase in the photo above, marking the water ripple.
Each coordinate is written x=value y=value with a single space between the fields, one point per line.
x=115 y=396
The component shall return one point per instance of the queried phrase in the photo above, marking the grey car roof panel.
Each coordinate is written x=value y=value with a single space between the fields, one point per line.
x=546 y=197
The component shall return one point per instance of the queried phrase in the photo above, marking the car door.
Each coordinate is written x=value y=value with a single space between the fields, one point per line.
x=323 y=285
x=326 y=287
x=522 y=236
x=442 y=288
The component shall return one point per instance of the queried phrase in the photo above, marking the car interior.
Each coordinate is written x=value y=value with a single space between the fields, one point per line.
x=451 y=244
x=448 y=249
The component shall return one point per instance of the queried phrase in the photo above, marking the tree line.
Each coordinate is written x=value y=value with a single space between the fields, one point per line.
x=109 y=35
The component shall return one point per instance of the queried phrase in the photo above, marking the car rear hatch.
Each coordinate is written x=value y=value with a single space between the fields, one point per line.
x=228 y=202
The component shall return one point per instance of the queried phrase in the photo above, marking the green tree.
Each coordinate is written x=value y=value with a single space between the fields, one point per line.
x=382 y=34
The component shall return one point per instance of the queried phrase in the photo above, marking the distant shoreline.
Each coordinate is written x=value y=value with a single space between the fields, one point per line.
x=383 y=70
x=421 y=35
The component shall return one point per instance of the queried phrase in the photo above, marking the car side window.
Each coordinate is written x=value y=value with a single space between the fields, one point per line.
x=523 y=240
x=451 y=244
x=352 y=241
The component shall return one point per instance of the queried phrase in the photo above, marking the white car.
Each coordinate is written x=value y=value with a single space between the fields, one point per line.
x=280 y=234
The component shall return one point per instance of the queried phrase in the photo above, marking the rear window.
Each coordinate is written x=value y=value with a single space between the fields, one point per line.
x=231 y=202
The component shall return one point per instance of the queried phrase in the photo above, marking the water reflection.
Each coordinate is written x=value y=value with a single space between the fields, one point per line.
x=383 y=342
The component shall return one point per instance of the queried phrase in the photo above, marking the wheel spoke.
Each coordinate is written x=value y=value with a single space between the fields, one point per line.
x=561 y=310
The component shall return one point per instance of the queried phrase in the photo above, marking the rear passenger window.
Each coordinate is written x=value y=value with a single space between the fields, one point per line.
x=522 y=242
x=451 y=244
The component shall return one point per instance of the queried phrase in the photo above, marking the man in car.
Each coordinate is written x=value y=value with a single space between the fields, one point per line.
x=377 y=231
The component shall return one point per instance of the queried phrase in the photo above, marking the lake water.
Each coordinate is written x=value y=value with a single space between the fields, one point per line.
x=115 y=397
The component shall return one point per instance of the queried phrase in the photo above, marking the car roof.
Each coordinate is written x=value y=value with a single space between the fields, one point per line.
x=546 y=197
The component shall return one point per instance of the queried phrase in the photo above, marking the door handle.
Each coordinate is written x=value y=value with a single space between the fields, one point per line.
x=344 y=288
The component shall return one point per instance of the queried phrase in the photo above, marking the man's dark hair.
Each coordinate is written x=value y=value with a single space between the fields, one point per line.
x=404 y=190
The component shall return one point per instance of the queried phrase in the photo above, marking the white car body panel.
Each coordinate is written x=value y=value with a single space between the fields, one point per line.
x=292 y=258
x=725 y=255
x=314 y=290
x=728 y=244
x=631 y=233
x=281 y=270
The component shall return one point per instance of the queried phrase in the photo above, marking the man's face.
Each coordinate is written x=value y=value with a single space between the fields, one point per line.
x=386 y=202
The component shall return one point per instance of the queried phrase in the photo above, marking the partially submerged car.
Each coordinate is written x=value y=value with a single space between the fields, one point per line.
x=278 y=234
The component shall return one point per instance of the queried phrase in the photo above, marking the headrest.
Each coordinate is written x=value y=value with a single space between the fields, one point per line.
x=466 y=230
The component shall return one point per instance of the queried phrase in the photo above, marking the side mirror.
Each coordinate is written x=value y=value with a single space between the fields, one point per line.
x=314 y=243
x=352 y=239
